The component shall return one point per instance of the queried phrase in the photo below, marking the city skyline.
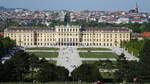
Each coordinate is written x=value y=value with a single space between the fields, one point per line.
x=104 y=5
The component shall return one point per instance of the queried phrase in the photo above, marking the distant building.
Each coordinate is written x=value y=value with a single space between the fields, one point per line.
x=1 y=34
x=137 y=19
x=122 y=20
x=67 y=36
x=137 y=36
x=140 y=36
x=135 y=10
x=146 y=34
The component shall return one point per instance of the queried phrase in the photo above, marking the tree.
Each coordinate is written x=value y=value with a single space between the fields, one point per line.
x=5 y=45
x=120 y=75
x=134 y=46
x=9 y=73
x=45 y=72
x=1 y=72
x=144 y=67
x=67 y=18
x=61 y=73
x=21 y=62
x=105 y=64
x=33 y=64
x=86 y=72
x=126 y=69
x=27 y=67
x=50 y=72
x=16 y=67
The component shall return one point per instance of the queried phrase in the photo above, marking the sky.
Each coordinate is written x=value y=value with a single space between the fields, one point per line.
x=104 y=5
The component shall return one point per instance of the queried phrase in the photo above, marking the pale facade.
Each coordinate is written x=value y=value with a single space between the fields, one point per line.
x=67 y=36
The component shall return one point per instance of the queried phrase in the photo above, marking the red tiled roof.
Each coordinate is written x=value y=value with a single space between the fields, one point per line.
x=29 y=28
x=1 y=34
x=107 y=29
x=137 y=35
x=146 y=34
x=136 y=20
x=82 y=29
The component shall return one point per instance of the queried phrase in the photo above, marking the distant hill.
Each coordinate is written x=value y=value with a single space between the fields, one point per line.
x=3 y=8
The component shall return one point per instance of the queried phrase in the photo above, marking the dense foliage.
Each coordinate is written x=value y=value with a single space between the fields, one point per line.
x=6 y=44
x=50 y=72
x=67 y=18
x=133 y=46
x=144 y=68
x=86 y=72
x=105 y=64
x=25 y=67
x=126 y=69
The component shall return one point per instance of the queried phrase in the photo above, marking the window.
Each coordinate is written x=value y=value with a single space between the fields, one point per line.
x=110 y=44
x=110 y=35
x=115 y=35
x=127 y=35
x=107 y=35
x=107 y=44
x=120 y=36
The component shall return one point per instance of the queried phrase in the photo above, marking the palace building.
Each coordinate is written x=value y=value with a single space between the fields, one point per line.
x=68 y=36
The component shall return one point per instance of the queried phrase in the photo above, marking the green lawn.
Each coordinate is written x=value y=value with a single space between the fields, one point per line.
x=107 y=75
x=42 y=48
x=88 y=62
x=52 y=61
x=97 y=55
x=105 y=49
x=113 y=64
x=45 y=54
x=92 y=62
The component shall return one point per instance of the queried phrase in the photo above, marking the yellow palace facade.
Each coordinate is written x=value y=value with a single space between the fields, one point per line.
x=67 y=36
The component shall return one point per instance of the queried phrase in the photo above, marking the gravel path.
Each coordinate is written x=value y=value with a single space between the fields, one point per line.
x=128 y=56
x=69 y=58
